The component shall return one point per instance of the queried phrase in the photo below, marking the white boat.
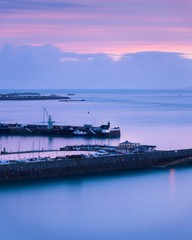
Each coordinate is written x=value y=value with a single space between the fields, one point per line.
x=78 y=132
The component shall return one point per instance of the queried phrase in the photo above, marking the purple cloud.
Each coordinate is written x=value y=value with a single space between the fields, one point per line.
x=47 y=66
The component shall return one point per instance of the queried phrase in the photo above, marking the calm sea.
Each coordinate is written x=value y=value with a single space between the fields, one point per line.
x=137 y=205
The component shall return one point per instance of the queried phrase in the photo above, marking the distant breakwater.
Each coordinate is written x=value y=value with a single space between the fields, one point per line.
x=83 y=166
x=30 y=96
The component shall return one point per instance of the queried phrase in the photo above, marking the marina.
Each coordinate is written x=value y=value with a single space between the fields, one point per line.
x=95 y=120
x=87 y=159
x=119 y=191
x=73 y=151
x=62 y=156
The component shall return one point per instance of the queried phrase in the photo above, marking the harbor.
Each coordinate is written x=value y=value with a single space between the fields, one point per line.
x=87 y=159
x=95 y=120
x=80 y=149
x=71 y=151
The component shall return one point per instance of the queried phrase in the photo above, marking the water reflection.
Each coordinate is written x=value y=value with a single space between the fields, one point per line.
x=172 y=182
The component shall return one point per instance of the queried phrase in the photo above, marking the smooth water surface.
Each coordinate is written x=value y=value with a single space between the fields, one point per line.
x=129 y=205
x=158 y=117
x=135 y=205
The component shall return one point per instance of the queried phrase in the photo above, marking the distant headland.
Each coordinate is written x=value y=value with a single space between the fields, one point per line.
x=31 y=96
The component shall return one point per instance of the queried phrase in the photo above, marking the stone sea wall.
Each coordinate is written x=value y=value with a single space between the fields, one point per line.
x=70 y=167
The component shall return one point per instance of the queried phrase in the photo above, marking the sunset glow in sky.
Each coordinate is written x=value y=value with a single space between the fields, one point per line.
x=109 y=43
x=92 y=26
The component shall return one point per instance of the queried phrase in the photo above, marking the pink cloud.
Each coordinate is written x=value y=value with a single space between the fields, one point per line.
x=122 y=47
x=119 y=26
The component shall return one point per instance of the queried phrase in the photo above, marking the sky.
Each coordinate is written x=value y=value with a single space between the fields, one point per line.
x=111 y=43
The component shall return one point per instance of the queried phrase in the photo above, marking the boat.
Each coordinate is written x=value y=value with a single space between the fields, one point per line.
x=77 y=132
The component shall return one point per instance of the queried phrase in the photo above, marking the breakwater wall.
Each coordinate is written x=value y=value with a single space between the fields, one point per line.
x=82 y=166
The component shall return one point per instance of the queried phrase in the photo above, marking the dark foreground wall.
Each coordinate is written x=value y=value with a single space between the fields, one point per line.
x=69 y=167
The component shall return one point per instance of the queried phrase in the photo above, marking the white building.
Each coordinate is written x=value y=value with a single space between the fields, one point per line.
x=128 y=145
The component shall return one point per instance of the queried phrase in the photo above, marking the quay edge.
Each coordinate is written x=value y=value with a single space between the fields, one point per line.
x=83 y=166
x=87 y=130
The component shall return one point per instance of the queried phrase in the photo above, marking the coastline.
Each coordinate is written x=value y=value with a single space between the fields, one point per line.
x=30 y=96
